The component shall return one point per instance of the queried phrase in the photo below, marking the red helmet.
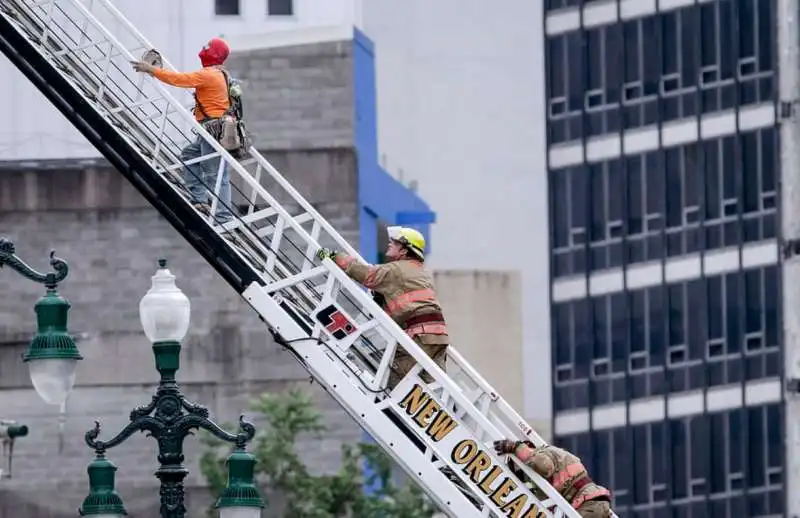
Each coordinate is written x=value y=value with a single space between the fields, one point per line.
x=215 y=52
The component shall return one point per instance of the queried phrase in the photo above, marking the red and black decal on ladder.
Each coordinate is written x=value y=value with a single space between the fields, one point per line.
x=335 y=322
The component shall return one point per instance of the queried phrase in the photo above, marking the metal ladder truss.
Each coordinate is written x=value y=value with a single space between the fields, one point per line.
x=440 y=433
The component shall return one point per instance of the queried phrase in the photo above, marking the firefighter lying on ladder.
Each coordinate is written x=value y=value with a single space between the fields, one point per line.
x=566 y=474
x=404 y=289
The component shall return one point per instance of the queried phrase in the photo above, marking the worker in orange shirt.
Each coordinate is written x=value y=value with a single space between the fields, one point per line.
x=210 y=85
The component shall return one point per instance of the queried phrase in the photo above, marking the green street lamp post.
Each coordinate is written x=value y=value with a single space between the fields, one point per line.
x=52 y=356
x=169 y=418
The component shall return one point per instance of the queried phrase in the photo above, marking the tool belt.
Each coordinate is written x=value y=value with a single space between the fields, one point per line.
x=428 y=318
x=213 y=125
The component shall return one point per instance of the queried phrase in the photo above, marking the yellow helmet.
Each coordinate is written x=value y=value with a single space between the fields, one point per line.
x=410 y=238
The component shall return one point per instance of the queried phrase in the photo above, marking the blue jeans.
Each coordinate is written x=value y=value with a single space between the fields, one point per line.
x=206 y=172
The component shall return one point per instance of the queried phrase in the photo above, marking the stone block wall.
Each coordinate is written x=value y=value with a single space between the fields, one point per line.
x=298 y=96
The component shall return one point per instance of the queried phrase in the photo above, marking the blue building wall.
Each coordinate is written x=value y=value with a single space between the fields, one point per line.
x=381 y=197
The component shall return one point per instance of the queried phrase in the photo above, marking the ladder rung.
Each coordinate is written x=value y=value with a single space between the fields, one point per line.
x=137 y=104
x=291 y=281
x=73 y=50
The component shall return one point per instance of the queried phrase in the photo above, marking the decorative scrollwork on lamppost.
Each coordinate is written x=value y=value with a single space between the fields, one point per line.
x=53 y=355
x=9 y=258
x=170 y=418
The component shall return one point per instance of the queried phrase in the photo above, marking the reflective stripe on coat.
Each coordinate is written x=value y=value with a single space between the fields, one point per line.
x=407 y=288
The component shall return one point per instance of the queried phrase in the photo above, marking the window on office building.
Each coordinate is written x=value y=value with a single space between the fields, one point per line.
x=552 y=5
x=703 y=58
x=226 y=7
x=280 y=7
x=718 y=465
x=685 y=199
x=713 y=331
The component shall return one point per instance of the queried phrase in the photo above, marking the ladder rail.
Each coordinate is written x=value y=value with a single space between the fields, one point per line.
x=287 y=221
x=349 y=394
x=503 y=406
x=73 y=104
x=260 y=159
x=169 y=101
x=546 y=506
x=159 y=136
x=273 y=172
x=520 y=425
x=45 y=22
x=452 y=391
x=189 y=118
x=122 y=19
x=261 y=302
x=89 y=79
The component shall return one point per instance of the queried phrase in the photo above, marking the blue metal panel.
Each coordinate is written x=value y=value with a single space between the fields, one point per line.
x=380 y=195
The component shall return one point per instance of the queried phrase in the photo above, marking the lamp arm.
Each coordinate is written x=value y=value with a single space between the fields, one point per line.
x=245 y=435
x=8 y=257
x=142 y=424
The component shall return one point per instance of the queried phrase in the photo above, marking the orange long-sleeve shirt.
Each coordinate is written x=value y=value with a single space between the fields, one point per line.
x=209 y=84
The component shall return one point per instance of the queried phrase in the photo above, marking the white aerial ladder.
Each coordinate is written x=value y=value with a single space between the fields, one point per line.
x=266 y=253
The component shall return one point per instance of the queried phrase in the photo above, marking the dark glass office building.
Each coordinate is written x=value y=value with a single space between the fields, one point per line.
x=663 y=169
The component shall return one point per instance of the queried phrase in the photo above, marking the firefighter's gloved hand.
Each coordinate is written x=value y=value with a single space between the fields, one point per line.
x=506 y=446
x=323 y=253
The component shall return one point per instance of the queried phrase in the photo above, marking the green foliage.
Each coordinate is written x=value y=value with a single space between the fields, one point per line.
x=280 y=469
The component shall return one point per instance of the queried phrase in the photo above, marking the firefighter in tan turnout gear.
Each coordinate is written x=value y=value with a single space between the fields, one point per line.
x=404 y=289
x=565 y=472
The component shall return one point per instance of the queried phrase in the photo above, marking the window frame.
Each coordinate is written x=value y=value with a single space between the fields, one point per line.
x=237 y=3
x=280 y=15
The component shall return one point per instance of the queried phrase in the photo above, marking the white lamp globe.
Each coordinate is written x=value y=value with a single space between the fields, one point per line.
x=53 y=378
x=164 y=310
x=240 y=512
x=53 y=354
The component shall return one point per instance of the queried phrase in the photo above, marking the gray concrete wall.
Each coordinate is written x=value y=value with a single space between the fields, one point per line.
x=482 y=310
x=299 y=96
x=111 y=238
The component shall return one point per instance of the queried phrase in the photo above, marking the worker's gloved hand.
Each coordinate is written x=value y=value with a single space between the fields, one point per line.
x=323 y=253
x=506 y=446
x=141 y=66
